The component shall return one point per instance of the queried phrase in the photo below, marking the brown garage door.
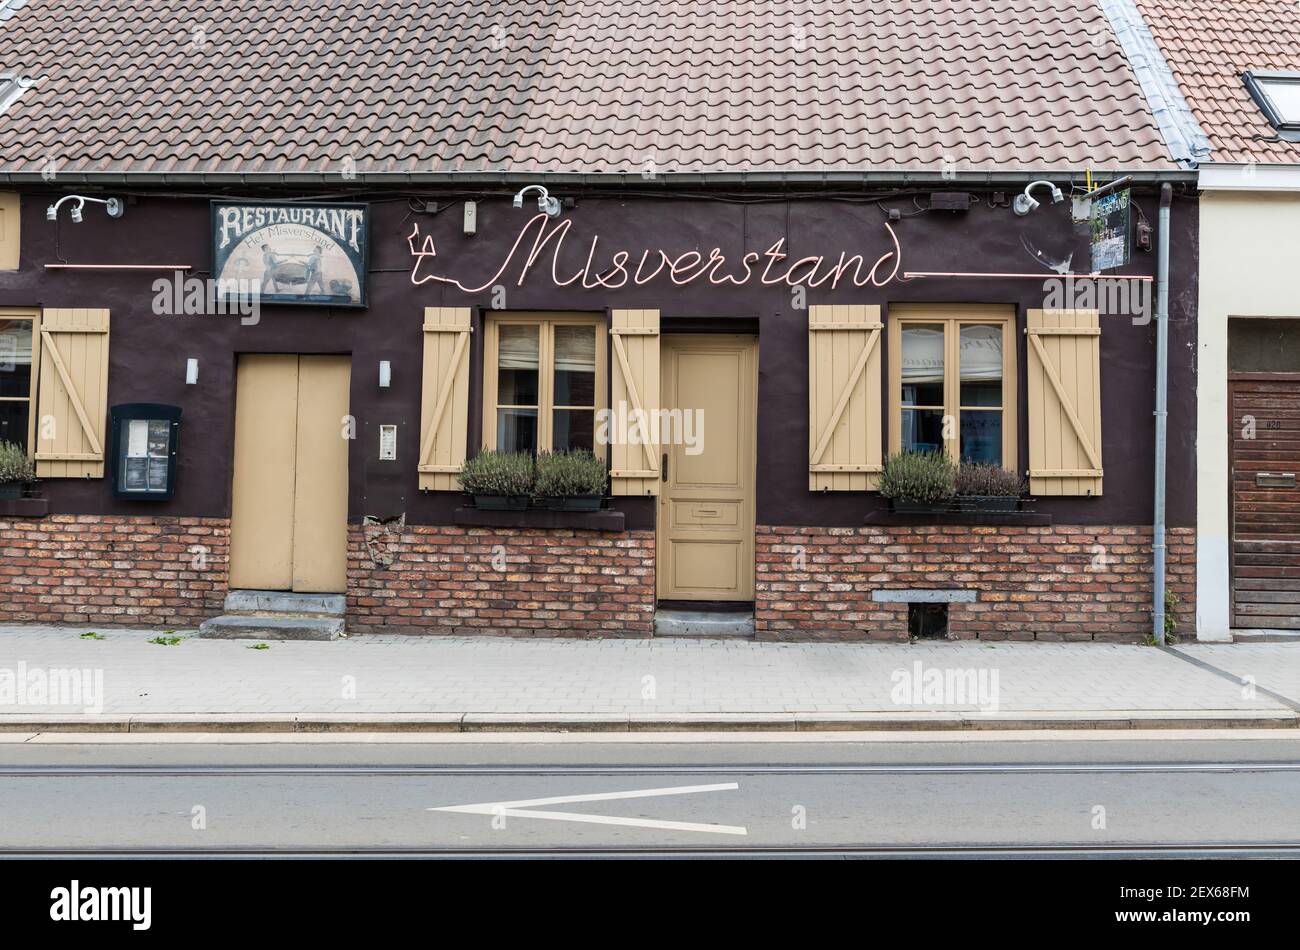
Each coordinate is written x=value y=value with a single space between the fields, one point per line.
x=1265 y=464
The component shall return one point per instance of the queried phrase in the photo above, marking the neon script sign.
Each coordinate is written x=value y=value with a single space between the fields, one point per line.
x=624 y=267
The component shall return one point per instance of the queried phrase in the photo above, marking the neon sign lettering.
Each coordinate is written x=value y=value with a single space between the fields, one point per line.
x=625 y=268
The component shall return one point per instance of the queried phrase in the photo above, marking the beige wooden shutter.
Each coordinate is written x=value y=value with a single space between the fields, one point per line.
x=844 y=418
x=444 y=400
x=1064 y=402
x=9 y=230
x=72 y=401
x=634 y=466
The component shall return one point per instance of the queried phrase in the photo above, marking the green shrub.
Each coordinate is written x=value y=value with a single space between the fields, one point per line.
x=979 y=478
x=570 y=474
x=918 y=476
x=15 y=466
x=498 y=473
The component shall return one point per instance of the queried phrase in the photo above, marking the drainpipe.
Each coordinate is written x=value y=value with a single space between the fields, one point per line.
x=1161 y=414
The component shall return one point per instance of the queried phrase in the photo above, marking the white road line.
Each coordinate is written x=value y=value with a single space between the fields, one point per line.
x=524 y=809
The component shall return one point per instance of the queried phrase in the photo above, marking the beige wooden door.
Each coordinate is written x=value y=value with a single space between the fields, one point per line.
x=706 y=503
x=289 y=505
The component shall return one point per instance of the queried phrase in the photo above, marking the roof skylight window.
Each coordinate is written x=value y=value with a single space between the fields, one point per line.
x=1278 y=94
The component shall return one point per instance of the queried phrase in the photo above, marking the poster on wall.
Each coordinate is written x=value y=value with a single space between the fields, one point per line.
x=292 y=252
x=1109 y=228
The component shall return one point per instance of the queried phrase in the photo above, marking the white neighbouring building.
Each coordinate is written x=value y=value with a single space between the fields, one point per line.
x=1237 y=67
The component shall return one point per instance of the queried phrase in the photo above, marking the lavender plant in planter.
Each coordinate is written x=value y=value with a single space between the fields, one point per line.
x=987 y=487
x=16 y=470
x=571 y=481
x=499 y=481
x=919 y=482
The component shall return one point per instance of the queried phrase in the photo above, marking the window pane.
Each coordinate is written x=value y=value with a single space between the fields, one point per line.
x=981 y=365
x=575 y=366
x=13 y=422
x=1285 y=96
x=516 y=430
x=923 y=430
x=981 y=436
x=923 y=364
x=517 y=354
x=574 y=429
x=15 y=358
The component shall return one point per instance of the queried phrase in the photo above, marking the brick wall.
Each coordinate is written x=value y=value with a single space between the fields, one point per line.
x=1045 y=583
x=1064 y=582
x=522 y=582
x=100 y=569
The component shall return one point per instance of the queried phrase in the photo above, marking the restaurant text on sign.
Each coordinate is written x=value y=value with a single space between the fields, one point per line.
x=624 y=267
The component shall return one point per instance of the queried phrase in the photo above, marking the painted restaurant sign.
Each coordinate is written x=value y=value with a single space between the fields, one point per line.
x=294 y=253
x=537 y=249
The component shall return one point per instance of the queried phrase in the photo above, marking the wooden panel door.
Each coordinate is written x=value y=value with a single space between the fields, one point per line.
x=288 y=527
x=320 y=499
x=1264 y=456
x=706 y=510
x=266 y=436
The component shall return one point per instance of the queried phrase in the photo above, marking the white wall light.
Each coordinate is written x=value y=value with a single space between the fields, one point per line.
x=385 y=374
x=191 y=371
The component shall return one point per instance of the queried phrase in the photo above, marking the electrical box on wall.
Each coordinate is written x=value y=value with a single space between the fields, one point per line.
x=145 y=439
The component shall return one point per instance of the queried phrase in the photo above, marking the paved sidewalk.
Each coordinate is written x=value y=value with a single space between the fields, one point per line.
x=460 y=683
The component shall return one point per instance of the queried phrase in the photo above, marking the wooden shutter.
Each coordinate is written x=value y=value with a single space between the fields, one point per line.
x=72 y=401
x=634 y=334
x=844 y=419
x=9 y=229
x=1064 y=402
x=444 y=400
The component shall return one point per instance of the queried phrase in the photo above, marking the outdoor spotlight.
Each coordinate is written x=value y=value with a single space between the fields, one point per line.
x=114 y=207
x=1026 y=202
x=545 y=202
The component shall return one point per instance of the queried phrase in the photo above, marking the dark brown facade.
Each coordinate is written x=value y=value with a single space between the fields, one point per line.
x=148 y=357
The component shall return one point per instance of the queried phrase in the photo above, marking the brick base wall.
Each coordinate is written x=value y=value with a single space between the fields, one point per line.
x=1064 y=582
x=514 y=581
x=112 y=570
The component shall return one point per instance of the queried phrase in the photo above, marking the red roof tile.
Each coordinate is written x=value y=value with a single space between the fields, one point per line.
x=1208 y=45
x=307 y=85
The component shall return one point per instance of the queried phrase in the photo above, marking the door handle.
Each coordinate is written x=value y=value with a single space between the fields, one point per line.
x=663 y=467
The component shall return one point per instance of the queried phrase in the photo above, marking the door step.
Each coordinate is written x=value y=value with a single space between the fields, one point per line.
x=1265 y=636
x=704 y=623
x=278 y=615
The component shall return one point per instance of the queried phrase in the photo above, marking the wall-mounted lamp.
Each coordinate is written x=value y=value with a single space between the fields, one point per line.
x=385 y=374
x=544 y=200
x=114 y=206
x=191 y=371
x=1025 y=202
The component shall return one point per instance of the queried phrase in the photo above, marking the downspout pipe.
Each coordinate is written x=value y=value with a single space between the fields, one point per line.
x=1162 y=418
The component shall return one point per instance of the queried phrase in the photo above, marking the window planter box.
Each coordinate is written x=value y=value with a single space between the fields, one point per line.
x=988 y=503
x=606 y=519
x=905 y=506
x=502 y=502
x=574 y=503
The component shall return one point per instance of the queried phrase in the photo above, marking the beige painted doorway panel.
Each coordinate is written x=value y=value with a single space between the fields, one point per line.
x=706 y=505
x=289 y=501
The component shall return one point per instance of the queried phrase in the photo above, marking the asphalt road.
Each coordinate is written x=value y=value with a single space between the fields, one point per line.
x=1213 y=793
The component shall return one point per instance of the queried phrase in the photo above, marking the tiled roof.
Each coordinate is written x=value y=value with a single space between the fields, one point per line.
x=671 y=85
x=1208 y=45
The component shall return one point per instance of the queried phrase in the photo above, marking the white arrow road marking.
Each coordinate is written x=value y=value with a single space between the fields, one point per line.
x=524 y=809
